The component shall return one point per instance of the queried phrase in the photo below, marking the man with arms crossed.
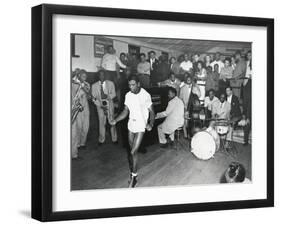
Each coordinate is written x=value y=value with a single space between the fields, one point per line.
x=138 y=105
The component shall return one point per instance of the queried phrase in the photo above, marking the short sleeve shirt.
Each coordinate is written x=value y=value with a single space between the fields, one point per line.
x=138 y=105
x=186 y=65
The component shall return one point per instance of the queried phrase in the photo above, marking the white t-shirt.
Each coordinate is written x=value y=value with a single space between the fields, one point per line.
x=138 y=105
x=186 y=65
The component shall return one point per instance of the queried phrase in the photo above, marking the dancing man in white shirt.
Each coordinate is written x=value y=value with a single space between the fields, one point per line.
x=138 y=105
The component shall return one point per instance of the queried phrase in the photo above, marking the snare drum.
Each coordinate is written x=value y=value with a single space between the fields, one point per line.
x=222 y=127
x=203 y=145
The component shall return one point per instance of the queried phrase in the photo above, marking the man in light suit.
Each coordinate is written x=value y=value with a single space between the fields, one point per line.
x=174 y=114
x=221 y=109
x=103 y=93
x=186 y=88
x=80 y=125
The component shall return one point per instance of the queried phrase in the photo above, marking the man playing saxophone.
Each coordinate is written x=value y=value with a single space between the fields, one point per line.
x=80 y=112
x=103 y=93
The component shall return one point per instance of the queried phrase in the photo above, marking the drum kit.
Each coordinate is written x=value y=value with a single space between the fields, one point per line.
x=205 y=143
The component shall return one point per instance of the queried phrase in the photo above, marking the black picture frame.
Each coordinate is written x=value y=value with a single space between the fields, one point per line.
x=42 y=107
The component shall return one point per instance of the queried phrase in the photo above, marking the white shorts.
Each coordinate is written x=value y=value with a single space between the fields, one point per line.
x=136 y=126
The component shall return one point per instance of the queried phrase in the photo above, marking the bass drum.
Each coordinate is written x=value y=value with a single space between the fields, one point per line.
x=203 y=145
x=215 y=135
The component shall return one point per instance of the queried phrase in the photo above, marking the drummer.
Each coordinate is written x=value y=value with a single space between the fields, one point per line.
x=209 y=102
x=221 y=110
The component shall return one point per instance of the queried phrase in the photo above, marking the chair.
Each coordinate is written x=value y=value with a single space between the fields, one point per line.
x=177 y=137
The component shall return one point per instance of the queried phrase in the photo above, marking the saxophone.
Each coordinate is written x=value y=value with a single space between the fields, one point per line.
x=76 y=106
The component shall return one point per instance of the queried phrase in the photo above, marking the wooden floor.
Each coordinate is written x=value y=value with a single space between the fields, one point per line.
x=107 y=166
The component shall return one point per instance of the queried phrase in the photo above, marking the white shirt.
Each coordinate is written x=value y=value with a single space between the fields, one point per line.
x=103 y=86
x=219 y=63
x=186 y=65
x=138 y=105
x=221 y=109
x=229 y=99
x=208 y=103
x=182 y=84
x=109 y=62
x=248 y=73
x=151 y=62
x=174 y=114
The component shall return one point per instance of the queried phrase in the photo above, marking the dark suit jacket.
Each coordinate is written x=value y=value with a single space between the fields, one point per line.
x=175 y=68
x=154 y=65
x=235 y=110
x=162 y=72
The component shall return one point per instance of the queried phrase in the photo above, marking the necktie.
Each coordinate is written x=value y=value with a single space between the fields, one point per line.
x=101 y=91
x=151 y=63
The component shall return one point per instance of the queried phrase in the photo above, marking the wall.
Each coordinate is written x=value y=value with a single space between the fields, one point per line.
x=120 y=47
x=15 y=116
x=225 y=51
x=84 y=48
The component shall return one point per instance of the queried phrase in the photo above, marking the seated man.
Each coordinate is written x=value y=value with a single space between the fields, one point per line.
x=174 y=114
x=235 y=111
x=209 y=102
x=172 y=81
x=221 y=110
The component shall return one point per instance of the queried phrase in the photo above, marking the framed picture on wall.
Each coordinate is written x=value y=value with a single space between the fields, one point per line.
x=100 y=45
x=115 y=135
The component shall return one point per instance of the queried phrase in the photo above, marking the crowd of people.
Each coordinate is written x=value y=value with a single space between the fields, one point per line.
x=219 y=86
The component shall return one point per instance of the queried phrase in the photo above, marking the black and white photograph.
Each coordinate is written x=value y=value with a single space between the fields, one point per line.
x=153 y=112
x=140 y=112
